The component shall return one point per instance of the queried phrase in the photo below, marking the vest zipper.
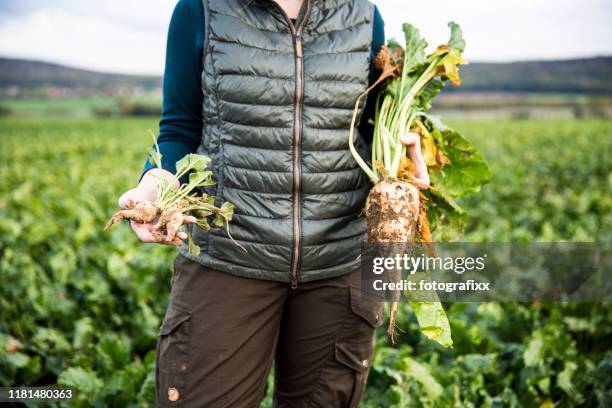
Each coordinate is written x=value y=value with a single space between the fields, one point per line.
x=297 y=132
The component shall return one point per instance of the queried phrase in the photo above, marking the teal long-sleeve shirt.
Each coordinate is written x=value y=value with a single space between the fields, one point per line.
x=180 y=127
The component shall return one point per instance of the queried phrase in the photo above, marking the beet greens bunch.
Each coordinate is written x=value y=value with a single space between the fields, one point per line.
x=173 y=204
x=396 y=211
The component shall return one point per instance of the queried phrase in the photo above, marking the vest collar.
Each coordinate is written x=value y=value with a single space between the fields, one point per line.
x=271 y=2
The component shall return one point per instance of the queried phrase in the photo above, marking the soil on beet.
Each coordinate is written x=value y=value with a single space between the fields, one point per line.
x=141 y=212
x=392 y=212
x=166 y=226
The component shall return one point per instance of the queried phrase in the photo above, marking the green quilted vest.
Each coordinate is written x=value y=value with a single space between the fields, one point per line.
x=278 y=101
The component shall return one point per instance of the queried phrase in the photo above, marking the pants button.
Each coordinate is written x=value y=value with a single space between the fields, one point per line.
x=173 y=394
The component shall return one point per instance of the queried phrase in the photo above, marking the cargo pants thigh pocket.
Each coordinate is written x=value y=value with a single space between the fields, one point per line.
x=342 y=379
x=172 y=357
x=369 y=310
x=359 y=355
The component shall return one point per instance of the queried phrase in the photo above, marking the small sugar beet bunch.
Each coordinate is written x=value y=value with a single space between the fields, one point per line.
x=173 y=204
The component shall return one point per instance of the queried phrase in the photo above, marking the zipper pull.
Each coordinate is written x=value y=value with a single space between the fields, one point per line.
x=298 y=47
x=294 y=283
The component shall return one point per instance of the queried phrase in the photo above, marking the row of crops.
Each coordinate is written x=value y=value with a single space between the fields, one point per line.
x=82 y=307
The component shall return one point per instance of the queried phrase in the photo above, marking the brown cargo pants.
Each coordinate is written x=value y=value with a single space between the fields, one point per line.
x=221 y=334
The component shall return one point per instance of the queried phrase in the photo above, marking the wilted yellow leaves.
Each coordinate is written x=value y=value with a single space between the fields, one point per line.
x=434 y=157
x=448 y=65
x=406 y=169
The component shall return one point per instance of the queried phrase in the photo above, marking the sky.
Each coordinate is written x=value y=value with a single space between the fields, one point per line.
x=129 y=36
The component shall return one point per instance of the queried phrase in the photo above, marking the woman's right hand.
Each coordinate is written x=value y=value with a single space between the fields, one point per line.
x=147 y=191
x=413 y=143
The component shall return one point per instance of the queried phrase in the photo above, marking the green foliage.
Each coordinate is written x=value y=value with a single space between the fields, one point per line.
x=432 y=321
x=467 y=170
x=85 y=305
x=551 y=181
x=5 y=110
x=135 y=108
x=505 y=355
x=82 y=307
x=465 y=175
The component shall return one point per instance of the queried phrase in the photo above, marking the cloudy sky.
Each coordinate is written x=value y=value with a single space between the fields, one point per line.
x=129 y=35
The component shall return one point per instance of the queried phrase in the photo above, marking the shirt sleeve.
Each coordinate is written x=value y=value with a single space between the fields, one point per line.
x=378 y=40
x=180 y=125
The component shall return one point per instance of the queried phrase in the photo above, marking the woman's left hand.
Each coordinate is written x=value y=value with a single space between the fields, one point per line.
x=413 y=143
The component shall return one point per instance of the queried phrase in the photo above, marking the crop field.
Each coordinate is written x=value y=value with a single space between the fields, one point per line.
x=82 y=307
x=41 y=107
x=76 y=107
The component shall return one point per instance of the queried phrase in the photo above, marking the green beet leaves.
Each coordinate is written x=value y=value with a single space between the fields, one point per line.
x=455 y=167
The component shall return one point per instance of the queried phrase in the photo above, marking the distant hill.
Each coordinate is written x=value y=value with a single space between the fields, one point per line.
x=35 y=74
x=590 y=75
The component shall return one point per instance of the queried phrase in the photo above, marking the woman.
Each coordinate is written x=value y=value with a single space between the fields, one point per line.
x=266 y=90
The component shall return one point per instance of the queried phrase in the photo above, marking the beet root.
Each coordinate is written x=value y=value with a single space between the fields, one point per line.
x=392 y=211
x=392 y=214
x=168 y=224
x=141 y=212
